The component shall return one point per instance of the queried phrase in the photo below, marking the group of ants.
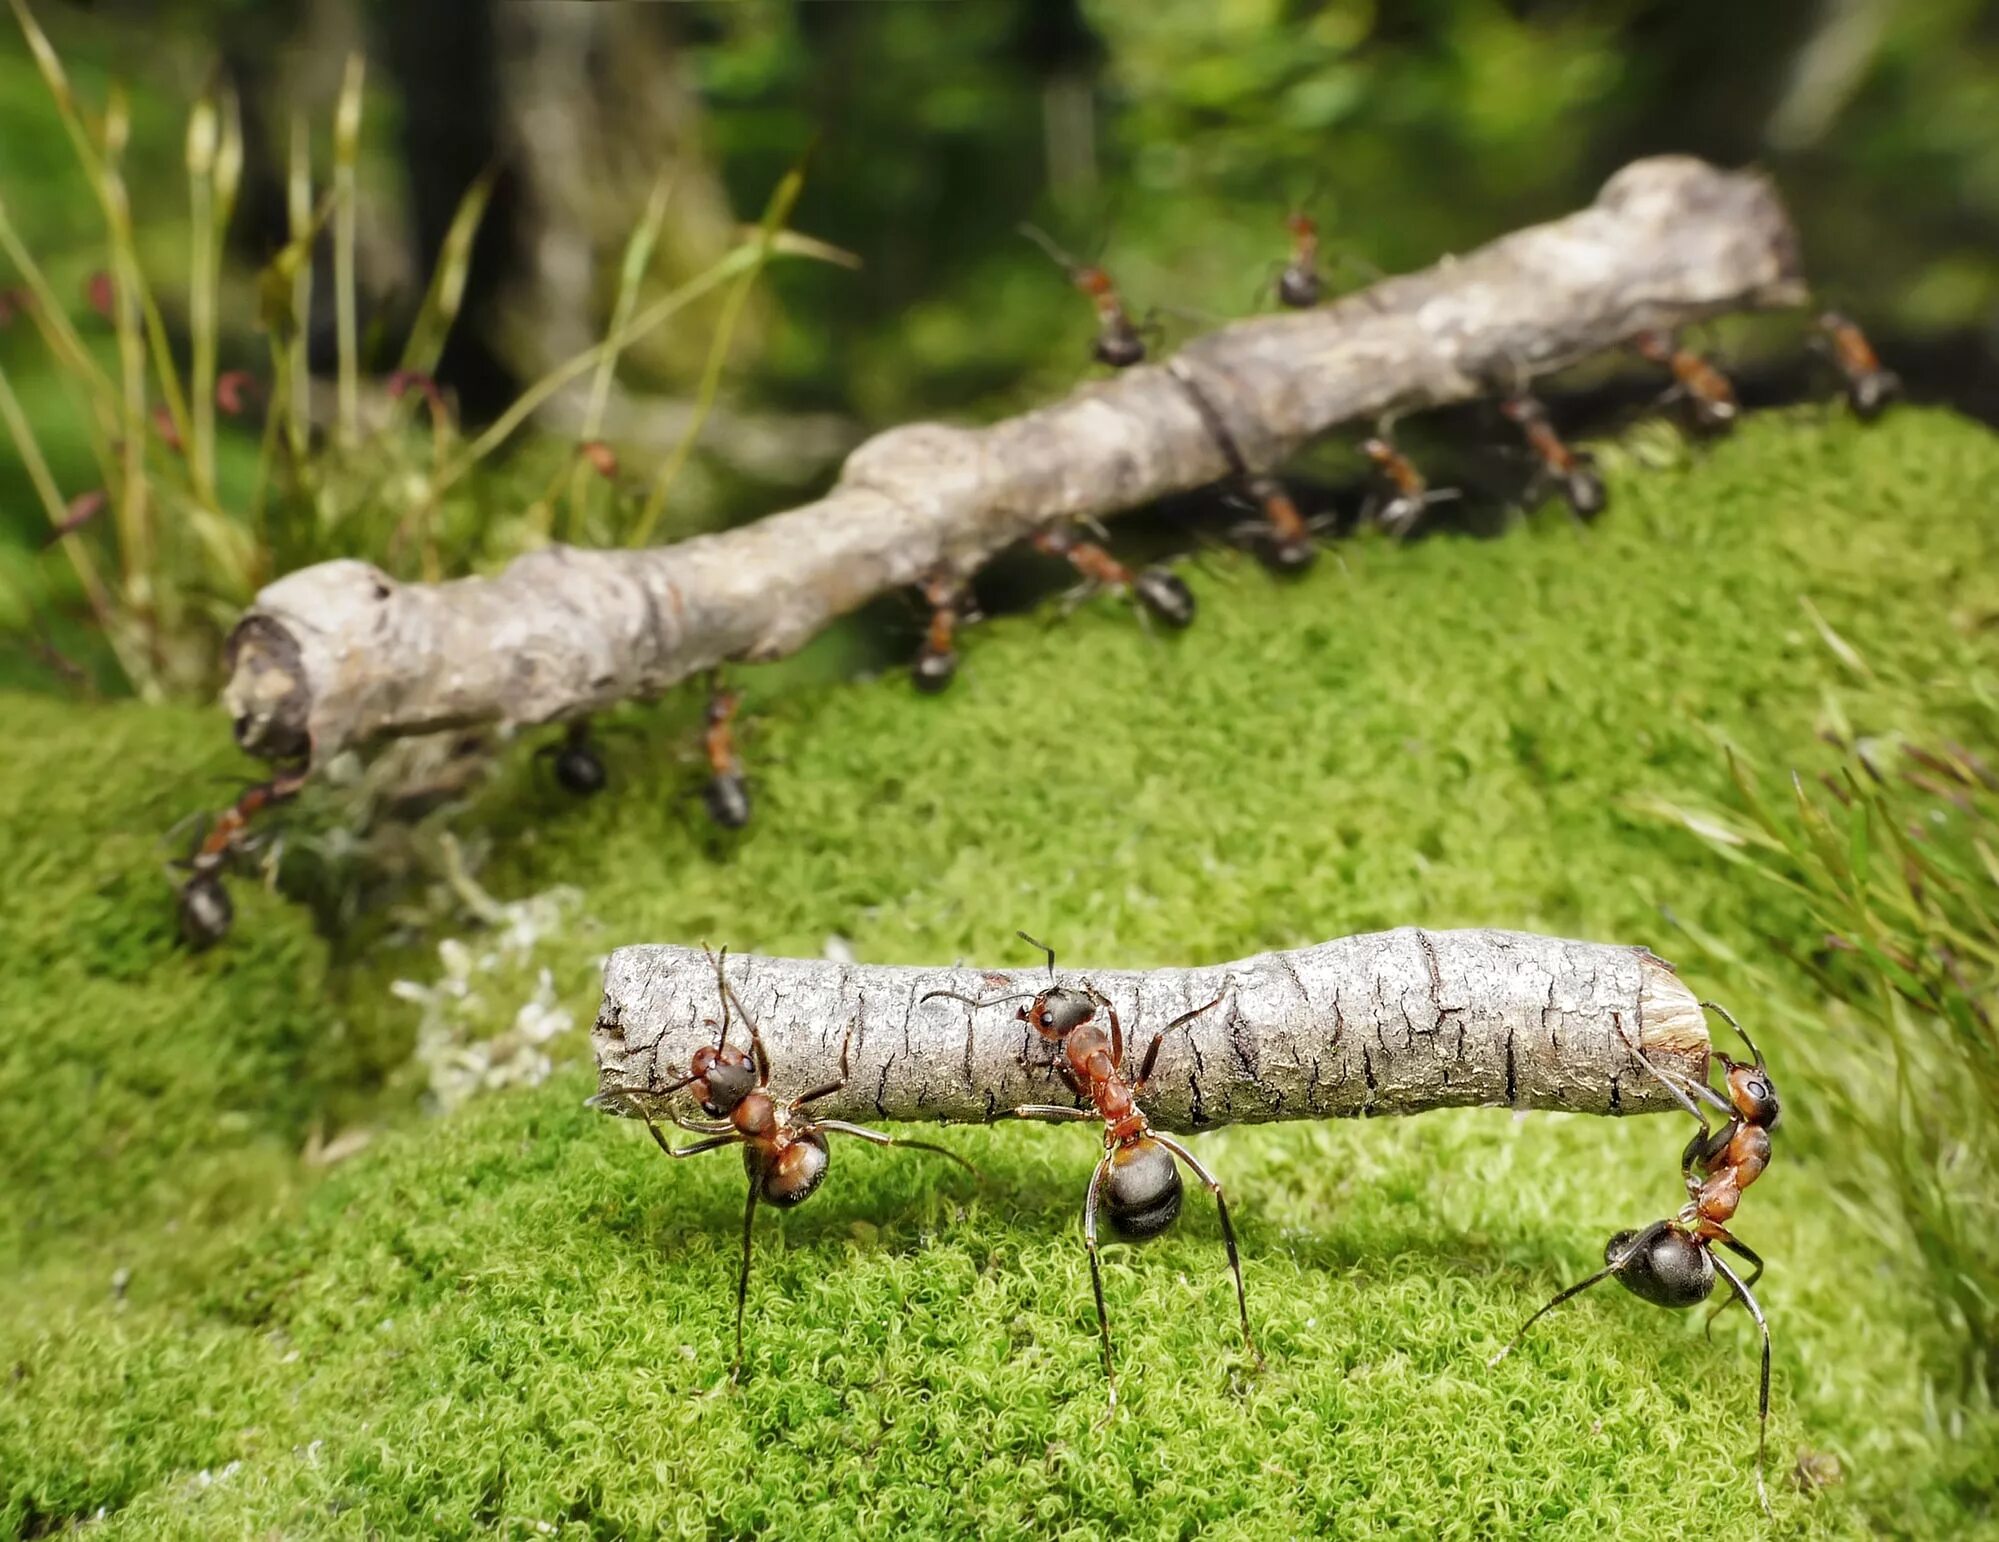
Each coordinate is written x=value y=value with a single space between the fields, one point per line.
x=1671 y=1263
x=1281 y=535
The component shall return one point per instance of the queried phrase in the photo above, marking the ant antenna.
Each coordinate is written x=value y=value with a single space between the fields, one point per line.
x=1046 y=242
x=976 y=1001
x=1036 y=943
x=1729 y=1018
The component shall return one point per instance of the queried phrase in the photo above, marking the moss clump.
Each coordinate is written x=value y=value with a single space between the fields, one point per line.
x=520 y=1316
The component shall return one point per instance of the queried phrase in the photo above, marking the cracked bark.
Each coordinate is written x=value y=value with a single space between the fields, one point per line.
x=1277 y=1044
x=341 y=654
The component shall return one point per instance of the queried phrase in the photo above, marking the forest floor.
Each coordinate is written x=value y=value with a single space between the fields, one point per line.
x=516 y=1316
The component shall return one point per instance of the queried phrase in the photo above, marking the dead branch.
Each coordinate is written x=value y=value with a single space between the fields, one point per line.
x=340 y=654
x=1390 y=1023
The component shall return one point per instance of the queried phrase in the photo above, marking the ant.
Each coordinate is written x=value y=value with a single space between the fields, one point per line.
x=1711 y=404
x=1282 y=537
x=725 y=794
x=1118 y=342
x=1299 y=285
x=1137 y=1176
x=1412 y=491
x=1158 y=589
x=1869 y=385
x=579 y=769
x=206 y=913
x=784 y=1152
x=937 y=660
x=1571 y=470
x=1672 y=1263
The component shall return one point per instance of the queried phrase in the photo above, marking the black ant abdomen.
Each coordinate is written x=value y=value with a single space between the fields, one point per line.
x=727 y=799
x=1118 y=346
x=1161 y=591
x=1671 y=1270
x=1585 y=492
x=206 y=912
x=794 y=1175
x=932 y=672
x=1143 y=1190
x=579 y=769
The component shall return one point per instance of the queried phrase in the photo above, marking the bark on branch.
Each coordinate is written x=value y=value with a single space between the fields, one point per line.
x=340 y=654
x=1390 y=1023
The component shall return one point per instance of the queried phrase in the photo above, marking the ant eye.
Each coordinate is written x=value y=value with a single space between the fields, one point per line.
x=1757 y=1090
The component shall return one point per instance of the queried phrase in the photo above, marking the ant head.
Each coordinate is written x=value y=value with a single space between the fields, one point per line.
x=1752 y=1092
x=1142 y=1191
x=1059 y=1011
x=1093 y=281
x=1668 y=1267
x=722 y=1079
x=755 y=1115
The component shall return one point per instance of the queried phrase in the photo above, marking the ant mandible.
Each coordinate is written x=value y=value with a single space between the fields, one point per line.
x=1158 y=589
x=206 y=913
x=1412 y=491
x=1870 y=387
x=725 y=794
x=1673 y=1263
x=1710 y=399
x=1573 y=471
x=784 y=1151
x=1137 y=1177
x=1118 y=342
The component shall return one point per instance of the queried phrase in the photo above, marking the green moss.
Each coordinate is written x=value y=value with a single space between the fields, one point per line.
x=520 y=1314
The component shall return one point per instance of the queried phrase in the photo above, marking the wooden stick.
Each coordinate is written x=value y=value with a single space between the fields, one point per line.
x=1390 y=1023
x=342 y=654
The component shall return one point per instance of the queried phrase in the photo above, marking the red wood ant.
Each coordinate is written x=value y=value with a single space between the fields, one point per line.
x=725 y=794
x=1710 y=399
x=1869 y=386
x=1118 y=342
x=1673 y=1263
x=1571 y=470
x=1283 y=537
x=206 y=913
x=1137 y=1177
x=1158 y=589
x=579 y=769
x=1412 y=491
x=784 y=1152
x=1299 y=285
x=950 y=608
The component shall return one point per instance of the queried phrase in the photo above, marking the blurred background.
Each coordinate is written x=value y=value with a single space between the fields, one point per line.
x=518 y=177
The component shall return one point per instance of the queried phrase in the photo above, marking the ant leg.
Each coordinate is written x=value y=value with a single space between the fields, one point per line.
x=702 y=1126
x=1050 y=1113
x=1741 y=1249
x=875 y=1137
x=831 y=1087
x=1152 y=1050
x=1097 y=1273
x=1214 y=1187
x=1683 y=1090
x=1763 y=1391
x=713 y=1143
x=743 y=1280
x=1642 y=1240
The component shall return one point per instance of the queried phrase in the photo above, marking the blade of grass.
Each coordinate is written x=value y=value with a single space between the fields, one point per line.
x=57 y=330
x=135 y=543
x=346 y=154
x=298 y=208
x=782 y=200
x=203 y=136
x=432 y=327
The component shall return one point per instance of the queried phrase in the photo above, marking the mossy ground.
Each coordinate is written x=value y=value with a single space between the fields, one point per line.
x=518 y=1315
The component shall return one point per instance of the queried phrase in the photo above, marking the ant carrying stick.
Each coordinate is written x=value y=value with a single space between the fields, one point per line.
x=1118 y=342
x=579 y=769
x=950 y=608
x=1299 y=285
x=1412 y=491
x=1672 y=1263
x=206 y=913
x=1710 y=399
x=1137 y=1177
x=1283 y=537
x=1158 y=589
x=1572 y=471
x=725 y=794
x=1869 y=386
x=784 y=1151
